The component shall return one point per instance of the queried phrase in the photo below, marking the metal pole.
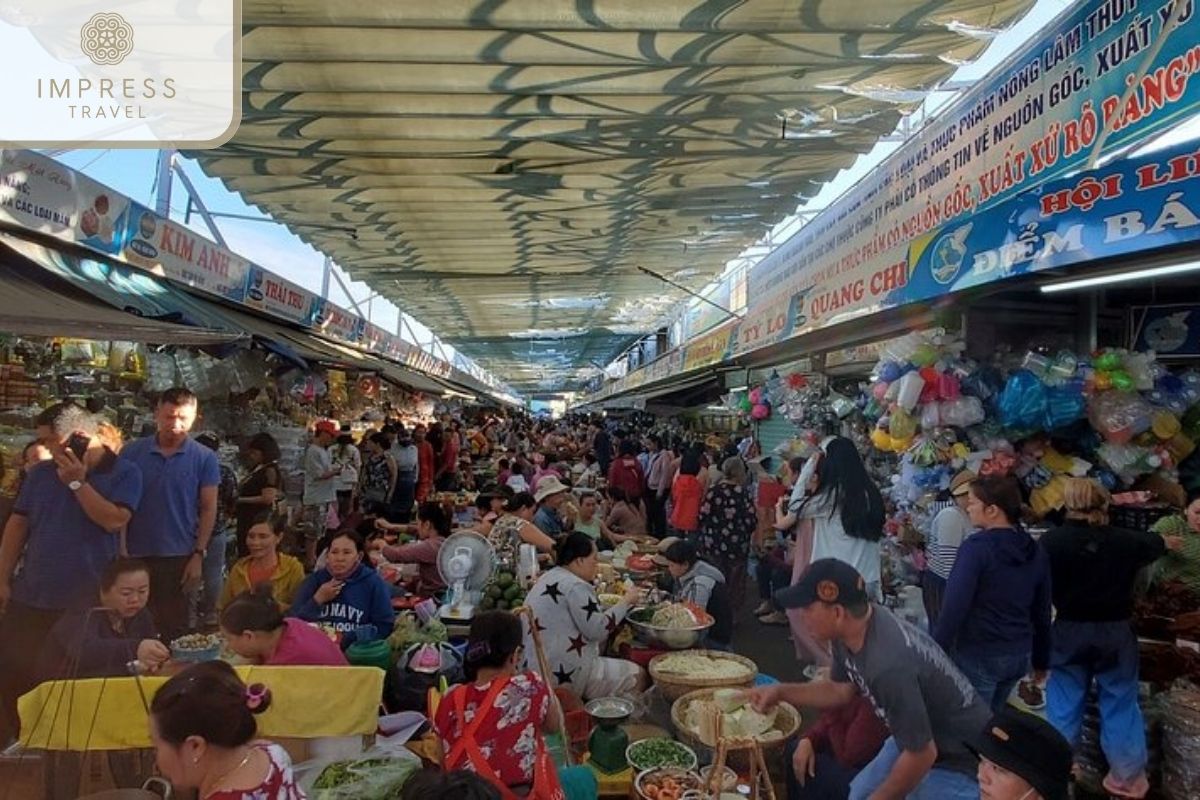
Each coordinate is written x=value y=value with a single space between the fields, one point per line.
x=162 y=206
x=194 y=197
x=325 y=278
x=688 y=291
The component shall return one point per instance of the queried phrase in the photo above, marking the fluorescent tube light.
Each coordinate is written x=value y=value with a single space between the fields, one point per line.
x=1121 y=277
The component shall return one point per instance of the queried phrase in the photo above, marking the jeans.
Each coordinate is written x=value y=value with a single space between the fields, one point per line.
x=213 y=572
x=830 y=780
x=939 y=784
x=1105 y=652
x=993 y=676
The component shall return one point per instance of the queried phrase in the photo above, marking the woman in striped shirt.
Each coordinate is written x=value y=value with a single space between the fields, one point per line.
x=946 y=533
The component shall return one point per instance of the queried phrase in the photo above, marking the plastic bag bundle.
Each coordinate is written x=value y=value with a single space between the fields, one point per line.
x=160 y=372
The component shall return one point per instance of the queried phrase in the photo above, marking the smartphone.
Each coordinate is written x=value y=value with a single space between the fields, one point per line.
x=78 y=444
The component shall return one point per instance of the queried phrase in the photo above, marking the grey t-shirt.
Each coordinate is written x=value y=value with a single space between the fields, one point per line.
x=915 y=689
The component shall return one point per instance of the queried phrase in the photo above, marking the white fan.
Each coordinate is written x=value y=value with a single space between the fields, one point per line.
x=466 y=561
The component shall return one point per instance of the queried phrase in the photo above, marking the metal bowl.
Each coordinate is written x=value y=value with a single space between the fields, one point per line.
x=609 y=709
x=670 y=638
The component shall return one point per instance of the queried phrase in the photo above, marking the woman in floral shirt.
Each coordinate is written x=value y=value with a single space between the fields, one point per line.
x=728 y=519
x=202 y=725
x=493 y=723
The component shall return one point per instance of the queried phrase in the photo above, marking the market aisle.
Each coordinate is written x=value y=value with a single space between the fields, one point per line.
x=767 y=645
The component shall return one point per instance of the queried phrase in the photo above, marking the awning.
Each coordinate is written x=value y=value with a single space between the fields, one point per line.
x=120 y=285
x=505 y=167
x=35 y=302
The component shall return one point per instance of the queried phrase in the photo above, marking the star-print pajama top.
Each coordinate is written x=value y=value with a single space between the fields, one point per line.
x=573 y=625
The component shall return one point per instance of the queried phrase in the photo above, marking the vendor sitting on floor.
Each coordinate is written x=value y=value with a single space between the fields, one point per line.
x=254 y=627
x=433 y=527
x=574 y=624
x=346 y=594
x=493 y=723
x=830 y=754
x=100 y=642
x=264 y=564
x=700 y=583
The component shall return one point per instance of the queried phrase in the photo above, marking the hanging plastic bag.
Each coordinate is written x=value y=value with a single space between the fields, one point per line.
x=1023 y=402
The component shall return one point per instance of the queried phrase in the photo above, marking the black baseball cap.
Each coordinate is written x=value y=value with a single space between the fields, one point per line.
x=827 y=580
x=1028 y=746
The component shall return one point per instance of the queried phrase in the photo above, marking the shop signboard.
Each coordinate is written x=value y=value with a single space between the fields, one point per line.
x=1037 y=117
x=709 y=349
x=1171 y=331
x=39 y=194
x=1131 y=206
x=278 y=296
x=334 y=321
x=173 y=251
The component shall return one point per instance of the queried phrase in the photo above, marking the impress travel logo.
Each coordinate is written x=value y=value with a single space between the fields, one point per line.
x=120 y=73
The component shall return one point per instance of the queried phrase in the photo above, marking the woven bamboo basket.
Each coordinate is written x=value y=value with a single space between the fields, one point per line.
x=674 y=685
x=787 y=724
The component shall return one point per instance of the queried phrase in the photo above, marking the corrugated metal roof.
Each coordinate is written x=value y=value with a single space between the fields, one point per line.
x=505 y=165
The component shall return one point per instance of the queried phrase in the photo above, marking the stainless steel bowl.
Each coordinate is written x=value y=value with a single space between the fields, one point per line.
x=670 y=638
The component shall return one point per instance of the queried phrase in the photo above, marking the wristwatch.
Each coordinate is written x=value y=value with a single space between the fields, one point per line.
x=198 y=551
x=75 y=486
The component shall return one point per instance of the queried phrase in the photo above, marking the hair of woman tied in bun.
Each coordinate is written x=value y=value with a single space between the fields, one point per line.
x=210 y=702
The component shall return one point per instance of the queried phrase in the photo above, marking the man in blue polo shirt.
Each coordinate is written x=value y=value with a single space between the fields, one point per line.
x=66 y=522
x=174 y=523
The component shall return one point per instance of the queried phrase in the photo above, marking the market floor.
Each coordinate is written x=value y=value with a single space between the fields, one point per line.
x=769 y=646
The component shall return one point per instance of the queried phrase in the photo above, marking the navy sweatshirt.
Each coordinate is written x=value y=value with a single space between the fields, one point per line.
x=364 y=600
x=997 y=601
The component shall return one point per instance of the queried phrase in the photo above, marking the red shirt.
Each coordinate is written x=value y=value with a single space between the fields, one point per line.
x=509 y=735
x=304 y=645
x=626 y=474
x=769 y=492
x=686 y=494
x=450 y=454
x=851 y=732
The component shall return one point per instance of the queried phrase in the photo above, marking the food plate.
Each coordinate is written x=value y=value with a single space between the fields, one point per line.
x=196 y=647
x=666 y=783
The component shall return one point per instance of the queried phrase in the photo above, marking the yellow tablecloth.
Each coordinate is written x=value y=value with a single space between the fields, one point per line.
x=107 y=713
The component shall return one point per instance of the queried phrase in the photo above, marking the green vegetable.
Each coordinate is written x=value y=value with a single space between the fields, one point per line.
x=494 y=592
x=512 y=593
x=650 y=753
x=363 y=779
x=505 y=580
x=502 y=605
x=487 y=603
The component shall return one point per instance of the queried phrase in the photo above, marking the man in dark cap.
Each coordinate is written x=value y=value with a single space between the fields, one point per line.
x=929 y=706
x=1021 y=757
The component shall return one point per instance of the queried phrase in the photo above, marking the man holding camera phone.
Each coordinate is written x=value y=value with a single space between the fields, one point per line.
x=65 y=524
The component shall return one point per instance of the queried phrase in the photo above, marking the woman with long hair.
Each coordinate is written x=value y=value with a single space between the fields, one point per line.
x=493 y=724
x=1093 y=570
x=687 y=492
x=626 y=517
x=846 y=508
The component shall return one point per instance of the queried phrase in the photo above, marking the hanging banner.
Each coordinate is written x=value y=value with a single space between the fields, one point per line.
x=1132 y=206
x=709 y=349
x=1039 y=115
x=335 y=322
x=169 y=249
